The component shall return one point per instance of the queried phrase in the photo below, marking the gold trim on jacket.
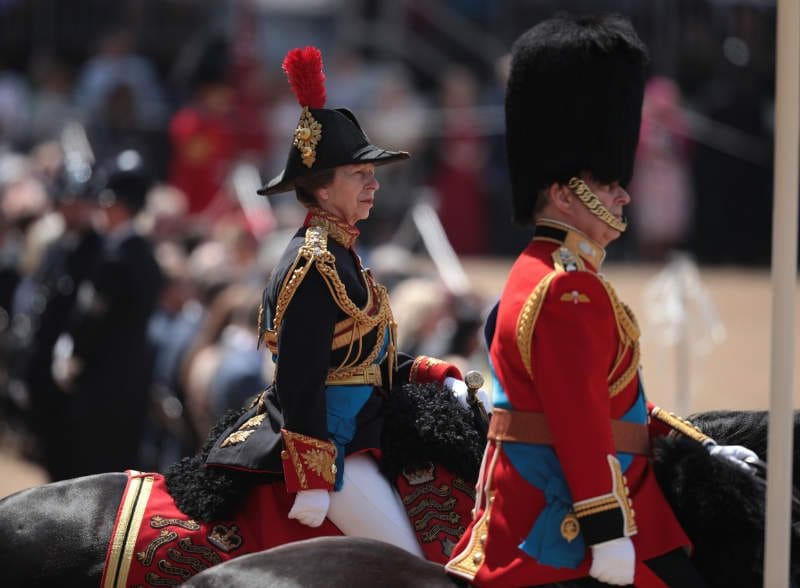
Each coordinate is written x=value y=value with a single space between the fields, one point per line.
x=376 y=313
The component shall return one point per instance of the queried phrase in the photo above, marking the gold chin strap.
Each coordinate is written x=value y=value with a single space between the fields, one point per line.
x=592 y=202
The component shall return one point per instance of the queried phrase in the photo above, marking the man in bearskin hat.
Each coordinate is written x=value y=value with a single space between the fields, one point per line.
x=566 y=490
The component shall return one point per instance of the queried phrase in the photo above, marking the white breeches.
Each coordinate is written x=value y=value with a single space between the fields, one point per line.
x=368 y=506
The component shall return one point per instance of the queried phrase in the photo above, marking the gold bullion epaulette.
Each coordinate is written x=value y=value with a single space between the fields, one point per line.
x=314 y=251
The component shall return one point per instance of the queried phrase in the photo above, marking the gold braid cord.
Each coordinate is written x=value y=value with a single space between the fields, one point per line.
x=592 y=202
x=627 y=325
x=629 y=333
x=527 y=320
x=314 y=253
x=680 y=425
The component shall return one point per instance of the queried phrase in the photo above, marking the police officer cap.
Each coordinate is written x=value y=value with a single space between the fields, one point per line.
x=124 y=178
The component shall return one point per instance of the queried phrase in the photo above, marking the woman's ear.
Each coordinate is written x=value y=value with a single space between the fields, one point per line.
x=321 y=193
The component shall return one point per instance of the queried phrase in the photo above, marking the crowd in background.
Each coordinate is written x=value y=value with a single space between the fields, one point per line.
x=218 y=113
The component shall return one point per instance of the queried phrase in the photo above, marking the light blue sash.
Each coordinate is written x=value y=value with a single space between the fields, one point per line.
x=539 y=466
x=343 y=404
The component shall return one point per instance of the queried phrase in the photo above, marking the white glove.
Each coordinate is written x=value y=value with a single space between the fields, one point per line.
x=737 y=454
x=310 y=507
x=461 y=393
x=613 y=562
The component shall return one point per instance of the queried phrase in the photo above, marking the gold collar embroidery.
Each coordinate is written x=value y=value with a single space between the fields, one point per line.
x=342 y=233
x=572 y=239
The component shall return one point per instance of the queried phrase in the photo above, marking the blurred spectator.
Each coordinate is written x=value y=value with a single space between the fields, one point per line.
x=206 y=135
x=51 y=297
x=51 y=104
x=432 y=320
x=14 y=108
x=116 y=79
x=662 y=200
x=505 y=238
x=224 y=366
x=459 y=174
x=171 y=332
x=398 y=120
x=104 y=359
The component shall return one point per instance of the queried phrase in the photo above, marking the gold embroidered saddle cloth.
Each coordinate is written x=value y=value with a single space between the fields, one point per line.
x=154 y=544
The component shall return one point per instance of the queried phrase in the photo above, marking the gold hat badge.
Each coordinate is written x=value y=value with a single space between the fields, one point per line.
x=306 y=136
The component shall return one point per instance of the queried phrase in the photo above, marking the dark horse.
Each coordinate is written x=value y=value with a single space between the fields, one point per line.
x=719 y=506
x=58 y=534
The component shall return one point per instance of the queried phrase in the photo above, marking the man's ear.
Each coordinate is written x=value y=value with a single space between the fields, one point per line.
x=560 y=196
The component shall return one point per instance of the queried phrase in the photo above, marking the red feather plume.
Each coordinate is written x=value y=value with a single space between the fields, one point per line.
x=303 y=67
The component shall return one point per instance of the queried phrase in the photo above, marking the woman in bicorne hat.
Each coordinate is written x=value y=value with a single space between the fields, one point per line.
x=329 y=325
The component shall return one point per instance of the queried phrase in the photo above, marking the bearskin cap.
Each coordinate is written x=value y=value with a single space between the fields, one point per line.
x=573 y=104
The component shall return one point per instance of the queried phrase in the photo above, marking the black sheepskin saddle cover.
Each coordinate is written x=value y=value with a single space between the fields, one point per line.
x=422 y=423
x=721 y=508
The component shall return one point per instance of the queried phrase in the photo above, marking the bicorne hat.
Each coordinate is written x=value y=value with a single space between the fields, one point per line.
x=573 y=104
x=325 y=137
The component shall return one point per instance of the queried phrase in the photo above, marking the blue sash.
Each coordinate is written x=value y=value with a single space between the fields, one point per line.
x=540 y=467
x=343 y=404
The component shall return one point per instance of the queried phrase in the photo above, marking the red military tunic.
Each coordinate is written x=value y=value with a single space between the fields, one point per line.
x=565 y=346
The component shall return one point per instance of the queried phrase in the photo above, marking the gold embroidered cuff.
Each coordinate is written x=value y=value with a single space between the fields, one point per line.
x=600 y=516
x=427 y=370
x=308 y=463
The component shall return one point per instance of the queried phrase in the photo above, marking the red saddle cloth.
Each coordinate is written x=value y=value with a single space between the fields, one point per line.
x=155 y=544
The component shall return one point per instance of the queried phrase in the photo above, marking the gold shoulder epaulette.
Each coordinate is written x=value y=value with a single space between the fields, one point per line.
x=314 y=250
x=527 y=318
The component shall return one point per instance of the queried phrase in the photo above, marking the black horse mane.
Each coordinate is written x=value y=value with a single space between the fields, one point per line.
x=422 y=423
x=208 y=494
x=426 y=424
x=719 y=506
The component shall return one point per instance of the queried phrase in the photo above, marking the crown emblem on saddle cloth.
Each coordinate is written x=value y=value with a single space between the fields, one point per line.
x=306 y=136
x=225 y=538
x=421 y=475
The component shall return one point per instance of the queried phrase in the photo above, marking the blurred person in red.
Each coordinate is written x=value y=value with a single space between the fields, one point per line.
x=207 y=135
x=458 y=176
x=662 y=179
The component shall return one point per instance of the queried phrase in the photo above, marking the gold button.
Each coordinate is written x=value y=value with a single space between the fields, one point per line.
x=284 y=454
x=477 y=557
x=333 y=469
x=483 y=539
x=303 y=133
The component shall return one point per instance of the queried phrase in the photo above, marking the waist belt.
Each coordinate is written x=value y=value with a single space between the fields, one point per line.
x=519 y=426
x=370 y=375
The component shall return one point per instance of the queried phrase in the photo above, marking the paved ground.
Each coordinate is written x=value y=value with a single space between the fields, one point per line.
x=733 y=375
